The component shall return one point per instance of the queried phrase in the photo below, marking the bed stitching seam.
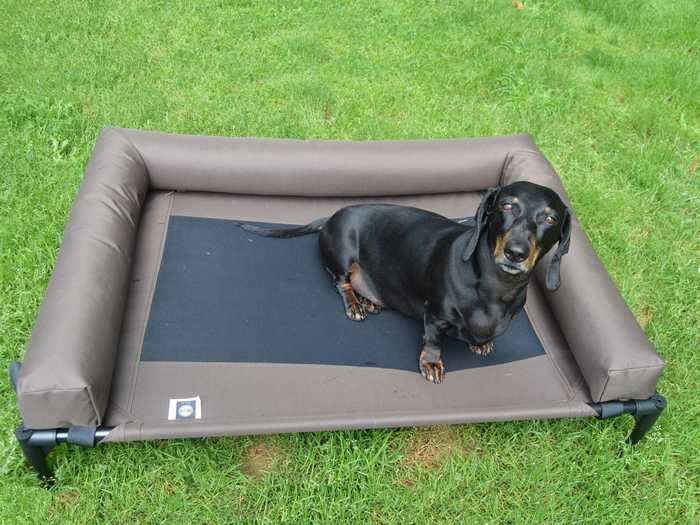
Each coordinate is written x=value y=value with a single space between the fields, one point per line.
x=44 y=390
x=618 y=370
x=538 y=333
x=138 y=152
x=85 y=389
x=614 y=370
x=154 y=280
x=509 y=159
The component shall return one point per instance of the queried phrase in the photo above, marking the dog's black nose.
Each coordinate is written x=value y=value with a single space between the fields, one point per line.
x=516 y=253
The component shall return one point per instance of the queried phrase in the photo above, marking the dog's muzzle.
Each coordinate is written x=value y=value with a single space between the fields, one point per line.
x=510 y=268
x=513 y=258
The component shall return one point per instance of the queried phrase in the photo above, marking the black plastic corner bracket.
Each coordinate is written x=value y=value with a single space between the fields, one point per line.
x=36 y=445
x=645 y=412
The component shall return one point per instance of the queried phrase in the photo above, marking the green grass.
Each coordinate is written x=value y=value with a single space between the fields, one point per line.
x=611 y=92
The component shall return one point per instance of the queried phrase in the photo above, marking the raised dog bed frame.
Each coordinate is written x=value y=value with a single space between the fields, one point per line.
x=159 y=320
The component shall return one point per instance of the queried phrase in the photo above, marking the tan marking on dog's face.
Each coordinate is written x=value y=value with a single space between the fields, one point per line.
x=531 y=261
x=501 y=241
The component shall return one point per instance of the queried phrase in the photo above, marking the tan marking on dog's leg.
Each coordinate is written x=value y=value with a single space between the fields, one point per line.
x=353 y=308
x=363 y=285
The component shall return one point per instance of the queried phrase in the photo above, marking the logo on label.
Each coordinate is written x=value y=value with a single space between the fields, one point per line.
x=186 y=408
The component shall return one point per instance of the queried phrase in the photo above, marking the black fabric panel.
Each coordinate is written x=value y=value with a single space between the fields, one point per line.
x=226 y=295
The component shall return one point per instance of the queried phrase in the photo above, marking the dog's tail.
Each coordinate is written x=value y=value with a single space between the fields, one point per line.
x=313 y=227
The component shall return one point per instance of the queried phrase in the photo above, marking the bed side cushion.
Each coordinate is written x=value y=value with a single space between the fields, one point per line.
x=615 y=357
x=67 y=372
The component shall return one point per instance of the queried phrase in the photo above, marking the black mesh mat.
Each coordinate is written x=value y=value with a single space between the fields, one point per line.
x=226 y=295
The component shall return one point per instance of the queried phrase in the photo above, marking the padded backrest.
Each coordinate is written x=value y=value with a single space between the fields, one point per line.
x=322 y=167
x=614 y=354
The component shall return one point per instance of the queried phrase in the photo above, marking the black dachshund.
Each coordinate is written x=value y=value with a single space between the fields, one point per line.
x=464 y=279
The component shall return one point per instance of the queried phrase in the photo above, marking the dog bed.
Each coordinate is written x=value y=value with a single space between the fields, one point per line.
x=164 y=319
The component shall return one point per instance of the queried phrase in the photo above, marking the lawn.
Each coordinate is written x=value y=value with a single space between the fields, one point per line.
x=611 y=93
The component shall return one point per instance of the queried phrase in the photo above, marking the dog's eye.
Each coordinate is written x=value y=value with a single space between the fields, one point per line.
x=550 y=220
x=507 y=206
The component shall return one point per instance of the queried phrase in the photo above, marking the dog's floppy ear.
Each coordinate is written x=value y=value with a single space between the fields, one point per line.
x=553 y=274
x=482 y=213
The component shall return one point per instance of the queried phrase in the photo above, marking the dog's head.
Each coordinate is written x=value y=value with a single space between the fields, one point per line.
x=524 y=220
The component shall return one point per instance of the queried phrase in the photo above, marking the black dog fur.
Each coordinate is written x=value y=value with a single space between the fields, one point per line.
x=464 y=280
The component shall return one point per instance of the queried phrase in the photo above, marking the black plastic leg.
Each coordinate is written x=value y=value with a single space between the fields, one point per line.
x=35 y=453
x=646 y=416
x=645 y=412
x=36 y=445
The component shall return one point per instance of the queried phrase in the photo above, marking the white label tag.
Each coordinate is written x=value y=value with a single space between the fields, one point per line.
x=185 y=408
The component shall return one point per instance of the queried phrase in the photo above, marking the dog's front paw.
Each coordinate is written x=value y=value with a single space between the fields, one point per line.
x=355 y=311
x=484 y=350
x=431 y=368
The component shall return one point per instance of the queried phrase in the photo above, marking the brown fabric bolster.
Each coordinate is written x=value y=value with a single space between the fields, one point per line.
x=615 y=356
x=322 y=167
x=67 y=370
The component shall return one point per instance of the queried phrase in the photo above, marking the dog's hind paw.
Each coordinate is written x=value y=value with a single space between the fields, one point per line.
x=484 y=350
x=369 y=306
